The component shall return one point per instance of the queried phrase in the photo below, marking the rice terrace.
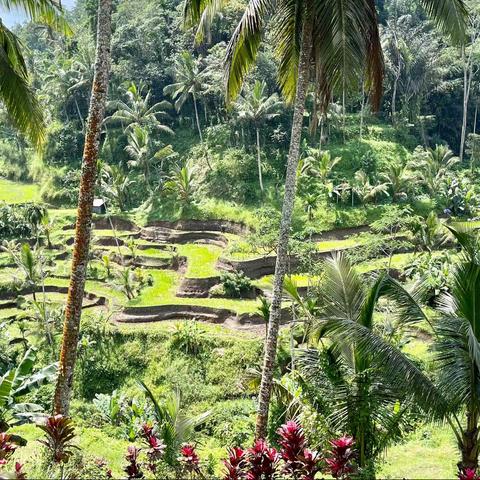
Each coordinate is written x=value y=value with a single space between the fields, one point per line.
x=239 y=240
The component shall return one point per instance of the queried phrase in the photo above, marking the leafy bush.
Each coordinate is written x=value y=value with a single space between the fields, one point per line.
x=233 y=177
x=188 y=337
x=236 y=284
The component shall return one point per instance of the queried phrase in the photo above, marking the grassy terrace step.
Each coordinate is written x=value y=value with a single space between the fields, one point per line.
x=15 y=192
x=165 y=285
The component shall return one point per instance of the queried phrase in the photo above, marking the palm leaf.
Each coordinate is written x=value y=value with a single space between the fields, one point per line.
x=243 y=46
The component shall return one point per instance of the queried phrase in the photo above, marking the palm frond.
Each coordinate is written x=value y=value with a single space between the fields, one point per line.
x=15 y=91
x=396 y=367
x=244 y=44
x=449 y=15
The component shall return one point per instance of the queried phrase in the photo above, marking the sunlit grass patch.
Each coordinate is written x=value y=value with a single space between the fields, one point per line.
x=16 y=192
x=201 y=259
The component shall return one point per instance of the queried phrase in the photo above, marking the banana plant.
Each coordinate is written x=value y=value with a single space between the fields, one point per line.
x=16 y=383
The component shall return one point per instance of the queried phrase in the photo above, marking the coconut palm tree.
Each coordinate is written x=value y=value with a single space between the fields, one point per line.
x=136 y=111
x=364 y=190
x=257 y=108
x=16 y=92
x=457 y=346
x=340 y=40
x=433 y=164
x=364 y=383
x=189 y=81
x=398 y=180
x=83 y=229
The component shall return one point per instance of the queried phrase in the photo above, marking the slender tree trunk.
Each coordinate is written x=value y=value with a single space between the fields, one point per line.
x=80 y=115
x=259 y=161
x=71 y=327
x=475 y=119
x=467 y=79
x=282 y=248
x=362 y=108
x=196 y=117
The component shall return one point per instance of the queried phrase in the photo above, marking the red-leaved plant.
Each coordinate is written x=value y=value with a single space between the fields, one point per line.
x=468 y=474
x=133 y=468
x=235 y=464
x=299 y=461
x=262 y=461
x=296 y=459
x=342 y=455
x=7 y=448
x=155 y=447
x=189 y=459
x=59 y=434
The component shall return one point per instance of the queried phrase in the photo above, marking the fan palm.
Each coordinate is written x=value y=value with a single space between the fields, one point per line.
x=364 y=190
x=398 y=180
x=362 y=373
x=339 y=41
x=136 y=111
x=256 y=107
x=16 y=92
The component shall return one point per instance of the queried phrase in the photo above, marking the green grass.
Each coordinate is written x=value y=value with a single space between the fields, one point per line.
x=92 y=441
x=201 y=259
x=15 y=192
x=429 y=452
x=165 y=285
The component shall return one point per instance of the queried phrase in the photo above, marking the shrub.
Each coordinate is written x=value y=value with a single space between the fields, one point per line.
x=236 y=284
x=188 y=337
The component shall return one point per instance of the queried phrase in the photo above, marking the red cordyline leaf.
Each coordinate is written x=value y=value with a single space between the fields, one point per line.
x=7 y=448
x=468 y=474
x=263 y=461
x=133 y=469
x=235 y=464
x=341 y=457
x=19 y=473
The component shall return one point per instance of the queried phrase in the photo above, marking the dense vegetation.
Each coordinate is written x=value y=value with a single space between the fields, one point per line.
x=376 y=368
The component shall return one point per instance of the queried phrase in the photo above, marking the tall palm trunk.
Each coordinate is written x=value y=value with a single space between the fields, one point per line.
x=470 y=443
x=196 y=117
x=259 y=161
x=467 y=82
x=71 y=327
x=288 y=202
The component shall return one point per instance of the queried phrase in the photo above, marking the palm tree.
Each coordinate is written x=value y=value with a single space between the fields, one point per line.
x=16 y=92
x=338 y=39
x=83 y=229
x=364 y=190
x=138 y=149
x=398 y=180
x=457 y=346
x=137 y=112
x=182 y=182
x=174 y=425
x=434 y=165
x=116 y=185
x=188 y=82
x=364 y=382
x=257 y=108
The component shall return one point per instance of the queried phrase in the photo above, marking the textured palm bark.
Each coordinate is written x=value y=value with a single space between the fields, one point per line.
x=71 y=326
x=282 y=248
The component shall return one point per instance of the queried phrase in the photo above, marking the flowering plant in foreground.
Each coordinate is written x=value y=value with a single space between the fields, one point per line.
x=295 y=459
x=468 y=474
